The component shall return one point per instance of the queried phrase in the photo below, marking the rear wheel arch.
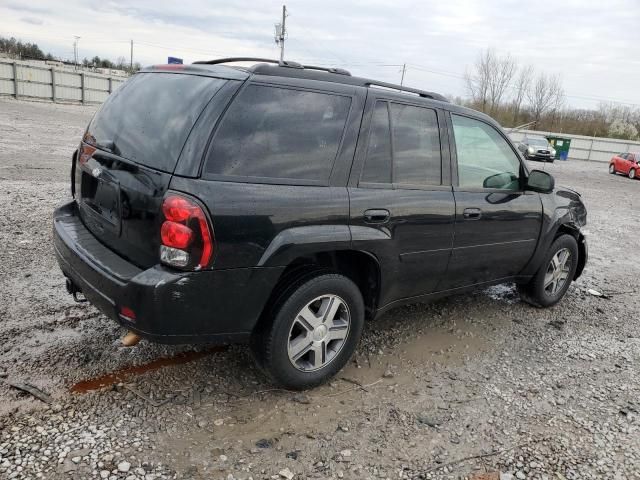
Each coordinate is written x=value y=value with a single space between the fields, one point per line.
x=360 y=267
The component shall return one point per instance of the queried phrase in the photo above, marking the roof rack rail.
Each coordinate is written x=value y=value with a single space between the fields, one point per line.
x=241 y=59
x=284 y=63
x=338 y=71
x=364 y=82
x=399 y=88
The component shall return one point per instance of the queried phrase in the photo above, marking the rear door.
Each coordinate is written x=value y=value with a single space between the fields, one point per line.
x=497 y=222
x=401 y=202
x=128 y=155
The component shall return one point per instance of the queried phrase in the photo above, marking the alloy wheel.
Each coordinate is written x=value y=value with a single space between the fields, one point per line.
x=318 y=333
x=558 y=271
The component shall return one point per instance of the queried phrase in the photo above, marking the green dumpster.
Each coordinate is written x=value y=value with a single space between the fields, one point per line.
x=561 y=146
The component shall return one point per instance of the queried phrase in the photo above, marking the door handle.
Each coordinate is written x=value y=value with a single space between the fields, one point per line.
x=376 y=215
x=472 y=213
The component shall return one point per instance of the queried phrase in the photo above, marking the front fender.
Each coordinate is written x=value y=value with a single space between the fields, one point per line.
x=563 y=210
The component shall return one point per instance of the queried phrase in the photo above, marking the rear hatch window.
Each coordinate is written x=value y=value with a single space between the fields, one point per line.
x=149 y=118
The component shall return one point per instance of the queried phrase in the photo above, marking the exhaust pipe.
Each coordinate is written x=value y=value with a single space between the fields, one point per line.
x=73 y=289
x=131 y=339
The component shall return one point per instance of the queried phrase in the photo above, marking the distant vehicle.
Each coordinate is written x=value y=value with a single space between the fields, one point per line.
x=537 y=148
x=627 y=163
x=283 y=205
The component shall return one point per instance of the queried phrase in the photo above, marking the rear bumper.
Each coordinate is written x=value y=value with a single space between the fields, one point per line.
x=211 y=306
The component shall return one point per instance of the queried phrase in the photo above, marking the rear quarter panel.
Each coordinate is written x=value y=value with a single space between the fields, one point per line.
x=270 y=225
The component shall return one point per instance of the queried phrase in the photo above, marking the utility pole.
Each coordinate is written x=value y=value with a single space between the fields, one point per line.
x=281 y=32
x=404 y=69
x=75 y=50
x=131 y=59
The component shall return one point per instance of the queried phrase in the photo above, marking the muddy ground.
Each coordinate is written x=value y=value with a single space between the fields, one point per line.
x=473 y=384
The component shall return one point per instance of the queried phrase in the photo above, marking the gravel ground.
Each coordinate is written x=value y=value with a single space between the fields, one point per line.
x=474 y=386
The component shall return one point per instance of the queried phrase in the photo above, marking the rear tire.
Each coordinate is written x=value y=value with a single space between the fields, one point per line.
x=552 y=280
x=612 y=169
x=311 y=333
x=632 y=173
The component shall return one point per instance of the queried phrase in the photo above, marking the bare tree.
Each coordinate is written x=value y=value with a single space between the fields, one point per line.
x=501 y=72
x=489 y=79
x=521 y=87
x=557 y=93
x=478 y=80
x=121 y=63
x=543 y=94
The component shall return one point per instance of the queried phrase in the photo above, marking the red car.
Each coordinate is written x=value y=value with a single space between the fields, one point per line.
x=627 y=163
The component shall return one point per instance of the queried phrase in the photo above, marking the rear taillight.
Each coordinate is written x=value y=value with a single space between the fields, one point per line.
x=186 y=237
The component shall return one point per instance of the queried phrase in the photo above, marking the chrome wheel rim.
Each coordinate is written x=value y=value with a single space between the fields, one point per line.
x=557 y=272
x=318 y=333
x=632 y=173
x=611 y=169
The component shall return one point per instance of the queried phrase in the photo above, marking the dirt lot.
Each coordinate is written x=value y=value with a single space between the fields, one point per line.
x=473 y=384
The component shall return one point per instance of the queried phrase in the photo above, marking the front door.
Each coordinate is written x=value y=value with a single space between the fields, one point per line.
x=629 y=163
x=498 y=223
x=401 y=201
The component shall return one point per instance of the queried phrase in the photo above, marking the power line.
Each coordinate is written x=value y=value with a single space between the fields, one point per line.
x=358 y=64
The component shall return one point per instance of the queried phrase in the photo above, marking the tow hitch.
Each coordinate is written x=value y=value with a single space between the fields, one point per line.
x=73 y=289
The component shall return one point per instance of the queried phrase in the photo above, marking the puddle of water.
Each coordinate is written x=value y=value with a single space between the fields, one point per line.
x=125 y=372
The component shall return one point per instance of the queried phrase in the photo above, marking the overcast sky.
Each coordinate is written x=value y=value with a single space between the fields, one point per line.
x=593 y=45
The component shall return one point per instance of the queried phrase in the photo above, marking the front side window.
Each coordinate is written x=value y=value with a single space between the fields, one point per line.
x=485 y=159
x=279 y=133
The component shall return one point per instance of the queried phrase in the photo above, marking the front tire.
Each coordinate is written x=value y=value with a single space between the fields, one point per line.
x=612 y=169
x=552 y=280
x=311 y=333
x=632 y=173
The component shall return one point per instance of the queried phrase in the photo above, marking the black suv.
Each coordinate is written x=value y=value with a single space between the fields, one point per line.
x=283 y=205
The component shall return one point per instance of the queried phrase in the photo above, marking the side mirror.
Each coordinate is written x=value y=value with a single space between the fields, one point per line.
x=499 y=180
x=540 y=182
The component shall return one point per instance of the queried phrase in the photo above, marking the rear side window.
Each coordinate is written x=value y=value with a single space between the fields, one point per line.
x=149 y=118
x=416 y=145
x=279 y=133
x=377 y=168
x=415 y=156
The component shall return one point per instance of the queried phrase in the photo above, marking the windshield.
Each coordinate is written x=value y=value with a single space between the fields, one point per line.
x=148 y=119
x=538 y=141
